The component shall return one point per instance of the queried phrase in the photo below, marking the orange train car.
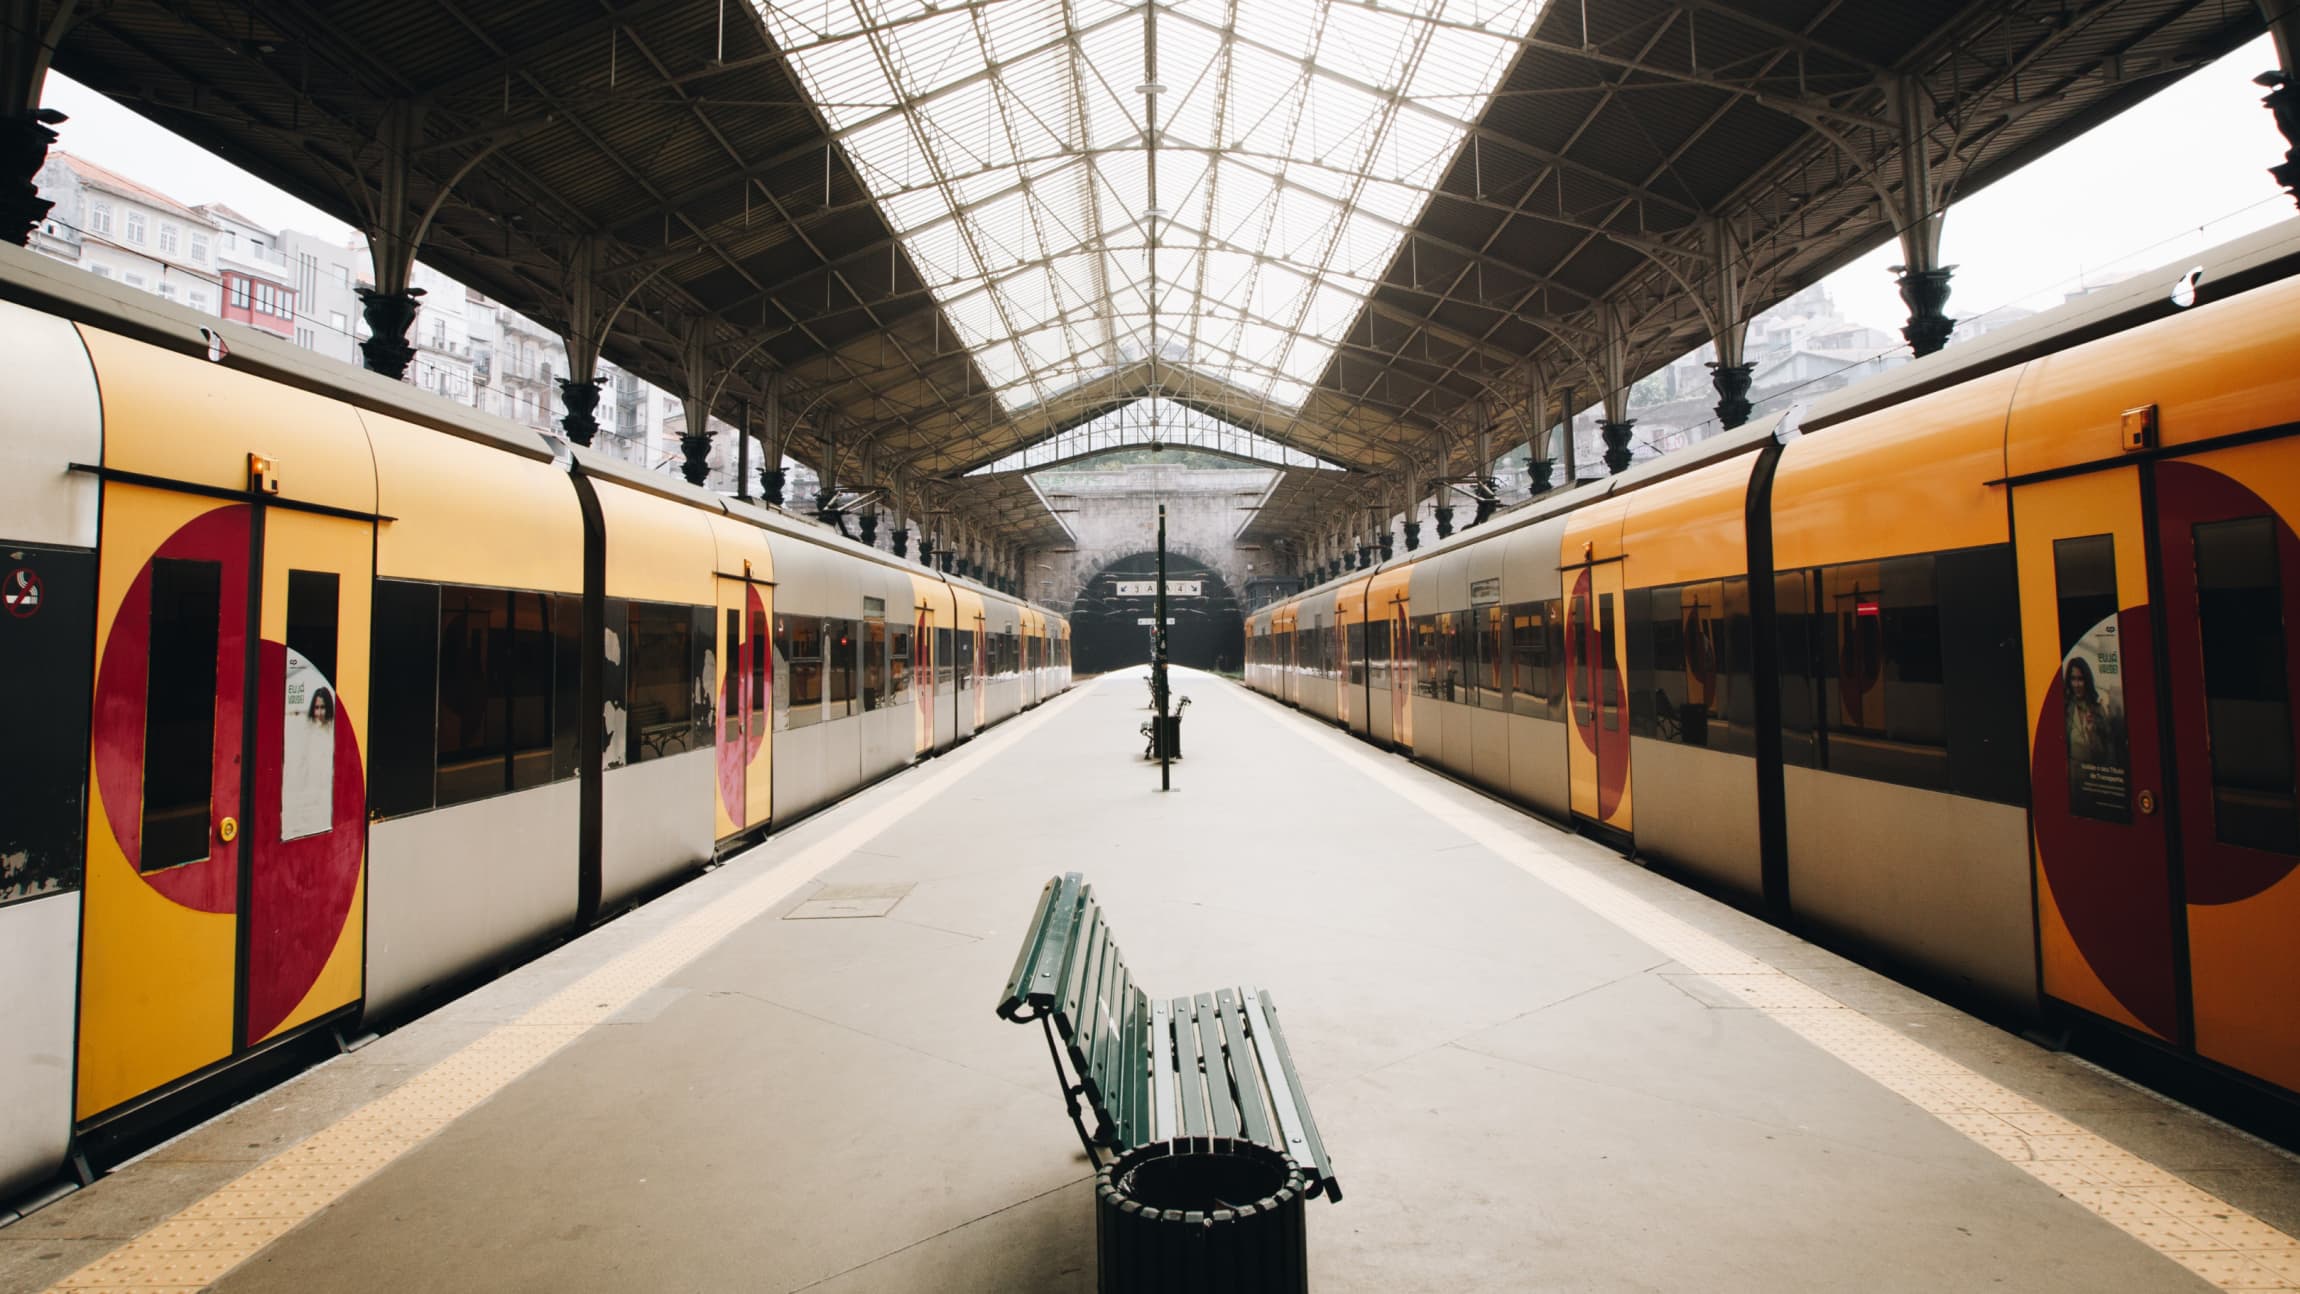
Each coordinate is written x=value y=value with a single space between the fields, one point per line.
x=348 y=694
x=1983 y=667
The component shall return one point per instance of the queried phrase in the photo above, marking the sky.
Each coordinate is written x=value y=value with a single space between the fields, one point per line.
x=2183 y=171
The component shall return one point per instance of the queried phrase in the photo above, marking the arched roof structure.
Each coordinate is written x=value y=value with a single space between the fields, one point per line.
x=954 y=228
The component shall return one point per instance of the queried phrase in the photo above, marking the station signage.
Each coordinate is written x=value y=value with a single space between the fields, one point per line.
x=1152 y=620
x=1149 y=588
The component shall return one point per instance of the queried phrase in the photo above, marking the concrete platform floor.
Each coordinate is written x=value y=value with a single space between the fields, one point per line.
x=1537 y=1067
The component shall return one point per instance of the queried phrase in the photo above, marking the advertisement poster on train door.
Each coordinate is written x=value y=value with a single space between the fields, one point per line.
x=307 y=751
x=2092 y=691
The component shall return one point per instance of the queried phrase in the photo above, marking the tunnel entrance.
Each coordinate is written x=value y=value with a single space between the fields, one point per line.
x=1110 y=624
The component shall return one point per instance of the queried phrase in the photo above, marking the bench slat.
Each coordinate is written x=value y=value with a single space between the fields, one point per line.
x=1123 y=1060
x=1080 y=1016
x=1106 y=1064
x=1136 y=1049
x=1161 y=1070
x=1221 y=1104
x=1287 y=1098
x=1085 y=1045
x=1025 y=980
x=1251 y=1106
x=1190 y=1076
x=1076 y=960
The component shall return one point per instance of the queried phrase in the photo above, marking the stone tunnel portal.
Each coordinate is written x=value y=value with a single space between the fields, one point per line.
x=1110 y=626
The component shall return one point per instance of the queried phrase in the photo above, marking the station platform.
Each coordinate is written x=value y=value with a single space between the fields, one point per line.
x=1536 y=1065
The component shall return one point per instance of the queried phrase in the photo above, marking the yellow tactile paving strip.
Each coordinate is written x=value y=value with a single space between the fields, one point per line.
x=197 y=1246
x=2210 y=1237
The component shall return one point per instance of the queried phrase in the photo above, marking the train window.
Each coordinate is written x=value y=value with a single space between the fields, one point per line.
x=1866 y=649
x=943 y=657
x=898 y=664
x=307 y=742
x=1690 y=665
x=473 y=624
x=963 y=665
x=1425 y=630
x=401 y=771
x=2247 y=702
x=1493 y=658
x=839 y=649
x=1357 y=654
x=1608 y=664
x=660 y=682
x=566 y=684
x=731 y=697
x=1533 y=658
x=1378 y=653
x=529 y=688
x=874 y=689
x=801 y=638
x=760 y=648
x=1577 y=663
x=180 y=712
x=1793 y=623
x=311 y=620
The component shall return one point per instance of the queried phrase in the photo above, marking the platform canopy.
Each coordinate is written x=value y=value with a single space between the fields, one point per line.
x=957 y=228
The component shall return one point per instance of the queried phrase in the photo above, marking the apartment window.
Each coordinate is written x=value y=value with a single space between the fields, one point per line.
x=169 y=237
x=304 y=338
x=101 y=271
x=200 y=248
x=136 y=227
x=167 y=290
x=199 y=300
x=307 y=273
x=336 y=321
x=343 y=272
x=133 y=280
x=100 y=217
x=239 y=291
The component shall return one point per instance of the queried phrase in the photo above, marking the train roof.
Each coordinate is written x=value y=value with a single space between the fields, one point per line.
x=2237 y=266
x=39 y=282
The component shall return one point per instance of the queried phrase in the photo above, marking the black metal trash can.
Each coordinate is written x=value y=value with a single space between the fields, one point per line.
x=1166 y=738
x=1201 y=1216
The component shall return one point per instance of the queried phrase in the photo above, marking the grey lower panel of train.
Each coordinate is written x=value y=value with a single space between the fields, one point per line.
x=1939 y=880
x=1702 y=816
x=450 y=890
x=36 y=1020
x=655 y=821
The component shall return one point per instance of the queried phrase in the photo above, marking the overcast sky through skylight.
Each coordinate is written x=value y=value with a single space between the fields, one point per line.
x=1298 y=141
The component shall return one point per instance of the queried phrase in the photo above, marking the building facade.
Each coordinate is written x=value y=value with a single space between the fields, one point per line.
x=115 y=228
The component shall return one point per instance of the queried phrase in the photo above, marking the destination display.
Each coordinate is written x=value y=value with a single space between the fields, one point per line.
x=1149 y=588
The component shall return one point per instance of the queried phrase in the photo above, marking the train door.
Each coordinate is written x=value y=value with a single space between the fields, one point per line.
x=227 y=840
x=2231 y=587
x=922 y=675
x=2106 y=882
x=1402 y=665
x=966 y=689
x=979 y=660
x=746 y=705
x=1596 y=645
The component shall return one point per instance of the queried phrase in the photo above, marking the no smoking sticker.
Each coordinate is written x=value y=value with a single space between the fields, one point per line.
x=21 y=593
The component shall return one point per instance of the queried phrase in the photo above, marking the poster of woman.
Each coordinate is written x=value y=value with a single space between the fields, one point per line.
x=307 y=752
x=2092 y=690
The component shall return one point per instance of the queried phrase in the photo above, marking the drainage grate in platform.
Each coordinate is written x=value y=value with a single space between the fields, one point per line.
x=842 y=902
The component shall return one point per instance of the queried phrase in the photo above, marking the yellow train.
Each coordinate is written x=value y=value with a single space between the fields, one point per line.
x=326 y=694
x=1985 y=666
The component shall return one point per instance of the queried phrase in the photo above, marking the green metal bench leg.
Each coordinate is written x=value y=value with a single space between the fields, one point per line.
x=1070 y=1093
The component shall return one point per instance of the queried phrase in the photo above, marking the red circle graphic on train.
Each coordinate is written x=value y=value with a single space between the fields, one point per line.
x=301 y=889
x=1585 y=648
x=746 y=698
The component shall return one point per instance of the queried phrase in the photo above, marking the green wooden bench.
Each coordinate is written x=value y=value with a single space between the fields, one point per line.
x=1155 y=1069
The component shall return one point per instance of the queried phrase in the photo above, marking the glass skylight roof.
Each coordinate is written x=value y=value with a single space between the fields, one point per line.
x=1006 y=142
x=1153 y=421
